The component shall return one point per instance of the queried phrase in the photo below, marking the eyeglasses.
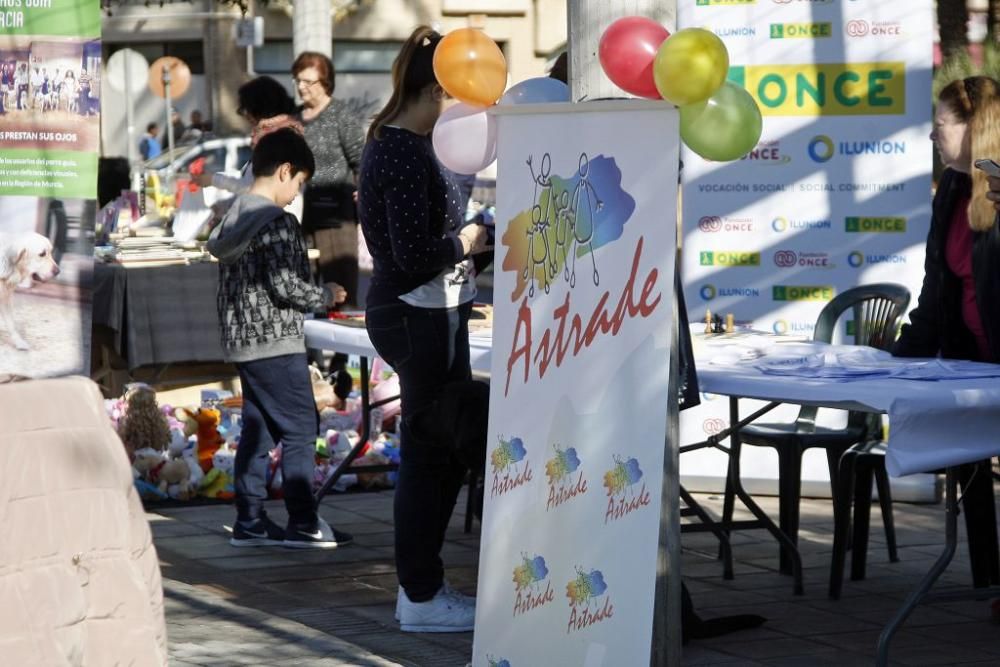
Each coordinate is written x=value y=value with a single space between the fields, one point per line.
x=305 y=82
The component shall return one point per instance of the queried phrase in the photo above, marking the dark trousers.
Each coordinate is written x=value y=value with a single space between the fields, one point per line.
x=278 y=406
x=428 y=348
x=338 y=257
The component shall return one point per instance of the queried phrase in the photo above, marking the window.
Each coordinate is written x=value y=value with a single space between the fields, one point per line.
x=276 y=57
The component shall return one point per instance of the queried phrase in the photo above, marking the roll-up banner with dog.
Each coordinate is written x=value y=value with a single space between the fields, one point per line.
x=836 y=194
x=50 y=56
x=583 y=294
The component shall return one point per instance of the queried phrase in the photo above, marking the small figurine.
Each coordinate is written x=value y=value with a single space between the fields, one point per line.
x=730 y=323
x=708 y=321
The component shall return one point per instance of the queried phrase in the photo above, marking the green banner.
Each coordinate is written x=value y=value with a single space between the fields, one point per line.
x=63 y=18
x=58 y=174
x=50 y=68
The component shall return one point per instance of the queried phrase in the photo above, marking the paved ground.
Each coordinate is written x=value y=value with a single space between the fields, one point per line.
x=273 y=606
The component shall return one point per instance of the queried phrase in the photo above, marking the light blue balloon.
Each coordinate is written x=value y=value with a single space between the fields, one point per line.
x=539 y=90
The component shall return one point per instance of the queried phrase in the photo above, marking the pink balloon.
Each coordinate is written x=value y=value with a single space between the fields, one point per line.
x=627 y=50
x=465 y=138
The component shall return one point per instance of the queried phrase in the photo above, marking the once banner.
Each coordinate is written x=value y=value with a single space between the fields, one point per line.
x=583 y=298
x=50 y=62
x=50 y=67
x=836 y=194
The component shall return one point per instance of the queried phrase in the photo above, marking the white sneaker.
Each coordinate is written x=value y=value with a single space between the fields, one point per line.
x=445 y=612
x=468 y=599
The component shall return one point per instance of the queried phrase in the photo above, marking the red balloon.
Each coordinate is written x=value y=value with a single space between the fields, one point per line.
x=627 y=50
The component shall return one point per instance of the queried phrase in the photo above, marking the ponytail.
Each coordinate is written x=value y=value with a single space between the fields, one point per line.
x=412 y=71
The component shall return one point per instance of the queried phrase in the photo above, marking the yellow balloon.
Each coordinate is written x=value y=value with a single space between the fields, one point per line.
x=470 y=67
x=690 y=66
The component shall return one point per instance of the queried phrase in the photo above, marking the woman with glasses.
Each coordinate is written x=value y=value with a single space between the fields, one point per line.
x=266 y=106
x=336 y=138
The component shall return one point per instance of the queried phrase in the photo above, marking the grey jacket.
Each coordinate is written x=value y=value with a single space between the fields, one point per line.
x=264 y=283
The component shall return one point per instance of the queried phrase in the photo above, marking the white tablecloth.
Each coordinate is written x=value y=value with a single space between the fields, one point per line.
x=932 y=424
x=331 y=335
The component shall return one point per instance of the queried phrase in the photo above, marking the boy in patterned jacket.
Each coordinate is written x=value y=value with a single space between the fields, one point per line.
x=264 y=288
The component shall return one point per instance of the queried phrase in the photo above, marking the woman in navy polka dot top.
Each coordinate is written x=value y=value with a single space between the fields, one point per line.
x=418 y=307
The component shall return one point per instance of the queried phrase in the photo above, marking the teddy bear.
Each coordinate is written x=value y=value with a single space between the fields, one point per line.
x=209 y=439
x=218 y=482
x=142 y=424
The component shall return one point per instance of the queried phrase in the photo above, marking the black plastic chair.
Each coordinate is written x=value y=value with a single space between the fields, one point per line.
x=877 y=309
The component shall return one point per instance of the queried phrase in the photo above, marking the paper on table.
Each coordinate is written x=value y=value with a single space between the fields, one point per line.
x=946 y=369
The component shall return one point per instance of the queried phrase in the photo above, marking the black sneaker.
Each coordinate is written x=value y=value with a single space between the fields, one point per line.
x=322 y=536
x=261 y=533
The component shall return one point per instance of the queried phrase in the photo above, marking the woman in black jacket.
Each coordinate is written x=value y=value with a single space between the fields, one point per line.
x=958 y=312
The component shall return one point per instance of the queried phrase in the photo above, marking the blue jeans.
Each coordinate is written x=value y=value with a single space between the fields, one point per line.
x=428 y=348
x=278 y=406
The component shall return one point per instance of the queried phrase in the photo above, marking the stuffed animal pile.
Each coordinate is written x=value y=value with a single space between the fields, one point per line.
x=185 y=453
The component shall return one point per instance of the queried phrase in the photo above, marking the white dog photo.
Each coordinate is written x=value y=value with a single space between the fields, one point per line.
x=24 y=259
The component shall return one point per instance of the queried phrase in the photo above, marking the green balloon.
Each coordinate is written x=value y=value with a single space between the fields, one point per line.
x=724 y=127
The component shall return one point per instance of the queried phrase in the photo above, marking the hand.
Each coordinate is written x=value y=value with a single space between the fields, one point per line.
x=994 y=194
x=203 y=180
x=339 y=293
x=473 y=238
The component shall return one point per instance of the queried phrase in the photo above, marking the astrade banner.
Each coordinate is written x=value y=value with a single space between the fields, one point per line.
x=50 y=64
x=583 y=298
x=836 y=194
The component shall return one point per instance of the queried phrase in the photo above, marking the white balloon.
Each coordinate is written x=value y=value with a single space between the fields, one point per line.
x=536 y=91
x=465 y=138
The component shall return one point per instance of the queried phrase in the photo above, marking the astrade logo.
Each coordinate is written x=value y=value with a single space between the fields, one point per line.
x=505 y=459
x=826 y=89
x=532 y=588
x=585 y=592
x=565 y=483
x=569 y=218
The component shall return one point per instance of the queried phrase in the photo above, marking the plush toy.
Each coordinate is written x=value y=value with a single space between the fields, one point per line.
x=143 y=425
x=175 y=479
x=322 y=390
x=209 y=440
x=190 y=457
x=218 y=482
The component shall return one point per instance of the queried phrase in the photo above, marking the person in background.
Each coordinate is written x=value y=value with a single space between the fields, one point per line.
x=264 y=288
x=178 y=124
x=84 y=83
x=337 y=139
x=193 y=132
x=149 y=145
x=268 y=107
x=417 y=312
x=958 y=311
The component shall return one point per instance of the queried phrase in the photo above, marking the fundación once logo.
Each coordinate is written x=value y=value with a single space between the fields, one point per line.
x=768 y=153
x=862 y=28
x=710 y=224
x=785 y=258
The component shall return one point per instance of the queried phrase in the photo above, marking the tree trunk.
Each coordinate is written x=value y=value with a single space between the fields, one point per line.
x=225 y=68
x=312 y=27
x=992 y=21
x=953 y=20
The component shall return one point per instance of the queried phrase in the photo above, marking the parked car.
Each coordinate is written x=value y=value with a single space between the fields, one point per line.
x=227 y=155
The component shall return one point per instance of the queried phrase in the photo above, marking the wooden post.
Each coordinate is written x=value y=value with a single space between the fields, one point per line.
x=587 y=20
